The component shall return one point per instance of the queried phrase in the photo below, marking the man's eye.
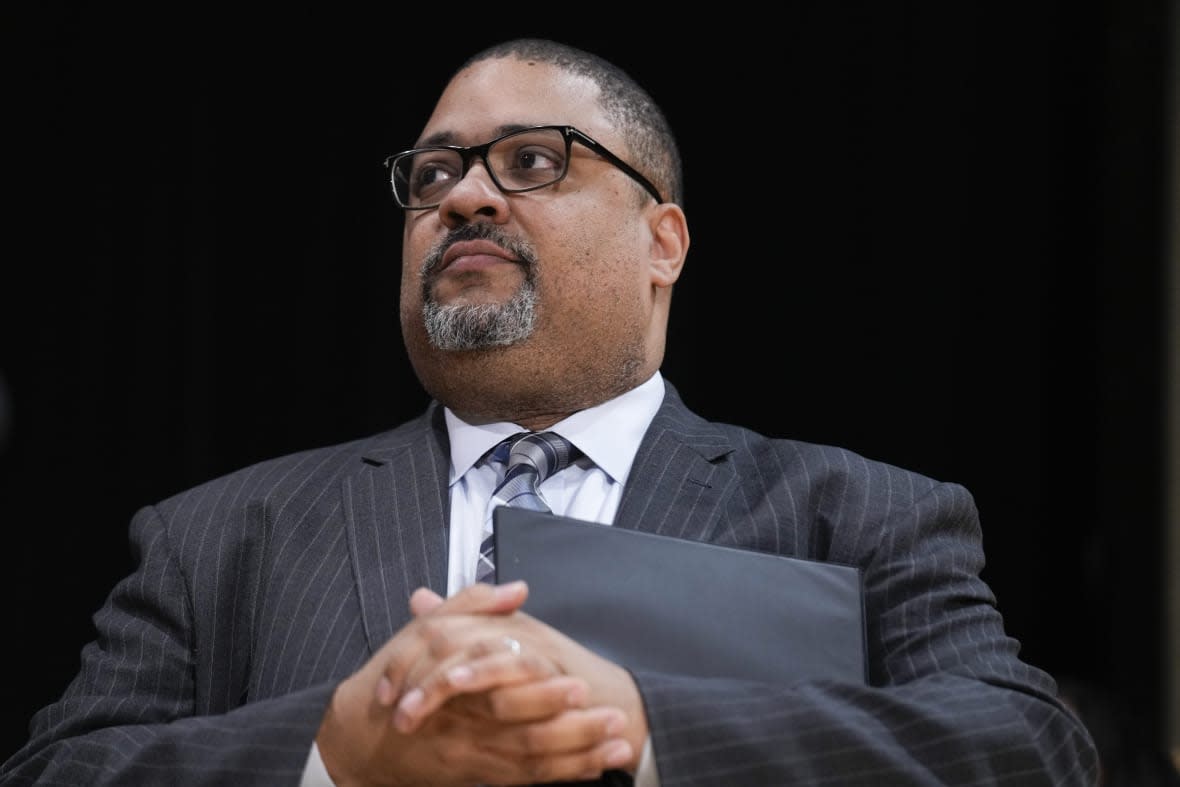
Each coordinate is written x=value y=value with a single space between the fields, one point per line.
x=536 y=158
x=431 y=174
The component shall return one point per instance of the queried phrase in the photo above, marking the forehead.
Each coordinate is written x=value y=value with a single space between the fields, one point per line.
x=493 y=94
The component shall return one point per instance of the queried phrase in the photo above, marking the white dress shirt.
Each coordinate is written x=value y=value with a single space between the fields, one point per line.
x=589 y=489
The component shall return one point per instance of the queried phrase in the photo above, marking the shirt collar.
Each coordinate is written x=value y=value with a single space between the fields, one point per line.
x=612 y=450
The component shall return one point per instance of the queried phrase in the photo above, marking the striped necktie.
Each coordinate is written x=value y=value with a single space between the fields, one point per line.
x=531 y=457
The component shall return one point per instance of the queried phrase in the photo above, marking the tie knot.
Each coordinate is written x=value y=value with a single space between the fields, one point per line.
x=531 y=458
x=545 y=452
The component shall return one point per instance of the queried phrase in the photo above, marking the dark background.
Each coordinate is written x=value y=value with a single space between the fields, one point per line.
x=931 y=234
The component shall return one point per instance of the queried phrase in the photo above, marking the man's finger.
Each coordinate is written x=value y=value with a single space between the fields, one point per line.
x=478 y=598
x=536 y=700
x=478 y=669
x=578 y=744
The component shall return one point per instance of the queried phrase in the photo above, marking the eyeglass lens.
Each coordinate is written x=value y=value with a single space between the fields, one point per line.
x=524 y=160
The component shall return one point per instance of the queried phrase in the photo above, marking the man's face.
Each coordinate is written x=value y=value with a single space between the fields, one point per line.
x=582 y=244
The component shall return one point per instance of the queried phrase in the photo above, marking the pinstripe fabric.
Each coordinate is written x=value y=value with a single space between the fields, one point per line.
x=257 y=592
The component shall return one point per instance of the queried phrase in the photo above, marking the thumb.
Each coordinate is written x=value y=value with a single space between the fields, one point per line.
x=424 y=600
x=479 y=598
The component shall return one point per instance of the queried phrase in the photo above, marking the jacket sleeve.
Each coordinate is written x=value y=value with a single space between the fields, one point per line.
x=948 y=701
x=121 y=722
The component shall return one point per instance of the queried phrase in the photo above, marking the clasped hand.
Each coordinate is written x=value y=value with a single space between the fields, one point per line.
x=451 y=700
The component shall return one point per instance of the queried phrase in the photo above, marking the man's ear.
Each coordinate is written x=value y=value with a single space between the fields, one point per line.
x=669 y=243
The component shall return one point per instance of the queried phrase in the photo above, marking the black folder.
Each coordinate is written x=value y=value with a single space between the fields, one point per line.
x=652 y=602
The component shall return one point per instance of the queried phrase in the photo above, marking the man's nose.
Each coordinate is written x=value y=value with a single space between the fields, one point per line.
x=475 y=193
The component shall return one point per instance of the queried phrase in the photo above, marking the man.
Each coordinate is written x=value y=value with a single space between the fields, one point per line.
x=316 y=617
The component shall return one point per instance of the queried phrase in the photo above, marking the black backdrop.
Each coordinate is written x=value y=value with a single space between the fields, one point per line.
x=931 y=235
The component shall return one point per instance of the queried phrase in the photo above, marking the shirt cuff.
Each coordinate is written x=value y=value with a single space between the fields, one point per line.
x=316 y=775
x=646 y=774
x=314 y=772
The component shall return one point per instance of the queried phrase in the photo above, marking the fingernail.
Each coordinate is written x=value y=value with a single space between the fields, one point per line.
x=509 y=589
x=576 y=696
x=411 y=701
x=385 y=693
x=403 y=717
x=460 y=676
x=618 y=754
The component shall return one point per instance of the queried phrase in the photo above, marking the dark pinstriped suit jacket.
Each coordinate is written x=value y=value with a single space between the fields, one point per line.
x=256 y=593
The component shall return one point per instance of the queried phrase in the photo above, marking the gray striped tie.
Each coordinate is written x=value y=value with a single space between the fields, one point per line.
x=531 y=457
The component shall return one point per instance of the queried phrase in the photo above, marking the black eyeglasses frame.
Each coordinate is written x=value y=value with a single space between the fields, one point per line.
x=569 y=133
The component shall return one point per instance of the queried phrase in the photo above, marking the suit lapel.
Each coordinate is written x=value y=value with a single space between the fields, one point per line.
x=397 y=506
x=396 y=509
x=677 y=486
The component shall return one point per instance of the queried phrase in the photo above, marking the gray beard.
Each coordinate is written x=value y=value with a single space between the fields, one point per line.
x=484 y=325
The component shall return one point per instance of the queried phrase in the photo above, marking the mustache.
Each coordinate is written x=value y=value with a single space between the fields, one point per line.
x=521 y=250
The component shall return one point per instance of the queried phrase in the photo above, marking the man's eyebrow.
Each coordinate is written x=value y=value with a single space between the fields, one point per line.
x=450 y=137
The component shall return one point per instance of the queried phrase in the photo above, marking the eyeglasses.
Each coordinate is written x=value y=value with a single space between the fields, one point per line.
x=524 y=160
